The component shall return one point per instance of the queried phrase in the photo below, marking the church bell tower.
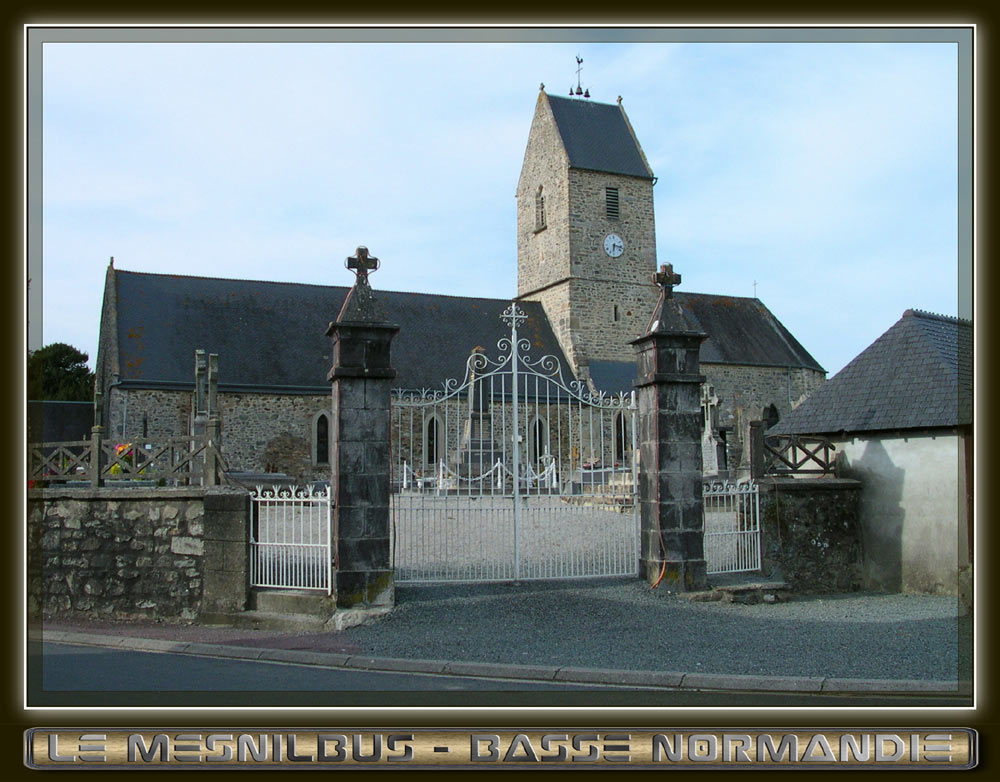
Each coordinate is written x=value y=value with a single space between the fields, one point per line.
x=586 y=241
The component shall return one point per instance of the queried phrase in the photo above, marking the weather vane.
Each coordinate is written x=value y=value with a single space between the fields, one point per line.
x=578 y=90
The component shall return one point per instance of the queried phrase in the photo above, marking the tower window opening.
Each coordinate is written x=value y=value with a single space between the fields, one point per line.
x=615 y=313
x=611 y=202
x=539 y=210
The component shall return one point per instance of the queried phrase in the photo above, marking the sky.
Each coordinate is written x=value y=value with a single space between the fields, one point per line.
x=820 y=177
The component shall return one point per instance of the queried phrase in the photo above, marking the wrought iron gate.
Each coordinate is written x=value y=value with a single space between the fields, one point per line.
x=513 y=473
x=290 y=538
x=732 y=527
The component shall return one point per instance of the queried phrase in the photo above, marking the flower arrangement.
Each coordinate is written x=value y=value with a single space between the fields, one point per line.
x=122 y=448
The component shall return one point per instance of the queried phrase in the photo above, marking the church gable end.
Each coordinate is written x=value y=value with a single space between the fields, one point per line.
x=542 y=245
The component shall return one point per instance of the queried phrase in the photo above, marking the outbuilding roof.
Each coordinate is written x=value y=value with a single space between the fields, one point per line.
x=271 y=335
x=917 y=375
x=597 y=137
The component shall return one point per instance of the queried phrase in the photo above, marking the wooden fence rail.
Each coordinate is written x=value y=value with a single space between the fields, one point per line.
x=789 y=454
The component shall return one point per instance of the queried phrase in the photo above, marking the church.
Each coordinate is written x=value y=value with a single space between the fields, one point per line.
x=586 y=253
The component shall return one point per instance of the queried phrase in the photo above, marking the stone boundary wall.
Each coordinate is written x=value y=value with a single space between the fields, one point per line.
x=811 y=533
x=166 y=553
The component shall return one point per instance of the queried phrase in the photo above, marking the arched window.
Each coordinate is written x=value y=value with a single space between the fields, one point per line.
x=433 y=447
x=771 y=416
x=622 y=442
x=538 y=444
x=321 y=438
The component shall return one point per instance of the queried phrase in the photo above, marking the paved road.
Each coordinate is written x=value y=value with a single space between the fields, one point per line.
x=71 y=668
x=94 y=676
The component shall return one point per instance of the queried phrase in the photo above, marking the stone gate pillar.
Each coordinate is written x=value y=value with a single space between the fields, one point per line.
x=670 y=433
x=361 y=376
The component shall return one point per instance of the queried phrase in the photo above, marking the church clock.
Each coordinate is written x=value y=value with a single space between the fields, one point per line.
x=614 y=245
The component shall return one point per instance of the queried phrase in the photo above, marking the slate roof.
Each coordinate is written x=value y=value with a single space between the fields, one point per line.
x=597 y=137
x=740 y=331
x=270 y=335
x=917 y=375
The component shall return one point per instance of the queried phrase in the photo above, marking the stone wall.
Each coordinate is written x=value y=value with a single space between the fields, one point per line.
x=744 y=393
x=170 y=553
x=260 y=432
x=595 y=303
x=542 y=253
x=811 y=533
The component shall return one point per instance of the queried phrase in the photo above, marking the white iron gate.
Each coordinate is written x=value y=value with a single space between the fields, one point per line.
x=732 y=527
x=290 y=538
x=513 y=473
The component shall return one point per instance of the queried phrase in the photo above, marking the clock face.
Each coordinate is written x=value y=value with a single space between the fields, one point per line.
x=614 y=245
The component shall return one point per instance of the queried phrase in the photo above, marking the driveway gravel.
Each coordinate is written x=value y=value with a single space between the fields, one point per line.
x=623 y=624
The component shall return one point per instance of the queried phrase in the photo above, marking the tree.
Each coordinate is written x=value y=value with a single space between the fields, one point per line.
x=59 y=372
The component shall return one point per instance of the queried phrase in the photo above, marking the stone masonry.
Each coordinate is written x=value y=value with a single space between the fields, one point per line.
x=261 y=432
x=169 y=553
x=563 y=264
x=362 y=375
x=670 y=457
x=811 y=533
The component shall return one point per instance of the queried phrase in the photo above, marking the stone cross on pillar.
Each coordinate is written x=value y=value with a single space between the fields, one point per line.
x=670 y=447
x=360 y=302
x=666 y=279
x=359 y=484
x=361 y=263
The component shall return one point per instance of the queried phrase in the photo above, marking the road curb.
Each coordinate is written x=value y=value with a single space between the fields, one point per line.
x=677 y=681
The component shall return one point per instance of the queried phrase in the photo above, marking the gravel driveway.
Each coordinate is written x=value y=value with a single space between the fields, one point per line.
x=622 y=623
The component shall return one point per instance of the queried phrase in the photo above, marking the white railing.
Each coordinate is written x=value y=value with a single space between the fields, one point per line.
x=732 y=527
x=290 y=538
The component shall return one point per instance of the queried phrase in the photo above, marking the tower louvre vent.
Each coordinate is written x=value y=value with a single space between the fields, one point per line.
x=611 y=202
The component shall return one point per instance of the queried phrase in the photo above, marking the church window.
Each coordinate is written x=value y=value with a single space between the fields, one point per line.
x=539 y=210
x=322 y=439
x=770 y=416
x=539 y=442
x=611 y=202
x=432 y=441
x=614 y=313
x=622 y=444
x=721 y=452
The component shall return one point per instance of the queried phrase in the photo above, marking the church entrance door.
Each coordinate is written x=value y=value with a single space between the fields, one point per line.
x=531 y=477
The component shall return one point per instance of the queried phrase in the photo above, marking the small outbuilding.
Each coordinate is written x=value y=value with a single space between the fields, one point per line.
x=900 y=415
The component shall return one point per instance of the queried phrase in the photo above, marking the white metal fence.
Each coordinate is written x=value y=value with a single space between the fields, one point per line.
x=290 y=538
x=732 y=527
